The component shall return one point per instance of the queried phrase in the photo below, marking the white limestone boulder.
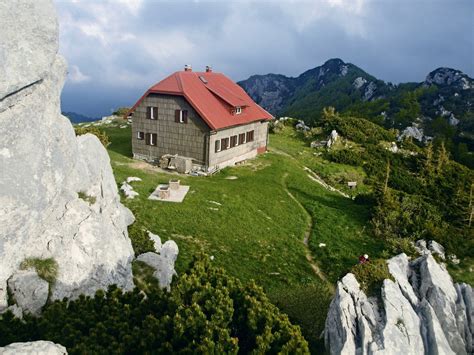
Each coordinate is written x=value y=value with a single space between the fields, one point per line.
x=45 y=167
x=162 y=262
x=40 y=347
x=29 y=291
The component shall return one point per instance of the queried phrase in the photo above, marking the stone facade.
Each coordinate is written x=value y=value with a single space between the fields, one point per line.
x=193 y=139
x=185 y=139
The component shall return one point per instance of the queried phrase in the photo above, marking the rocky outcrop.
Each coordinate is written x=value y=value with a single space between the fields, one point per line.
x=39 y=347
x=162 y=261
x=420 y=311
x=29 y=291
x=58 y=196
x=449 y=77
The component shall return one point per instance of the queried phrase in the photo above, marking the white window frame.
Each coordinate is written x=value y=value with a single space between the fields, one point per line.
x=181 y=116
x=238 y=110
x=151 y=139
x=139 y=135
x=220 y=147
x=152 y=113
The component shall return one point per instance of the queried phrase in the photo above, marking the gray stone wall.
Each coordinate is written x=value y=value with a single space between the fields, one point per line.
x=240 y=152
x=185 y=139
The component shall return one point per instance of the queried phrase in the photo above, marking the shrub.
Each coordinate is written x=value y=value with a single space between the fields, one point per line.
x=206 y=311
x=47 y=269
x=104 y=139
x=121 y=111
x=141 y=242
x=83 y=196
x=370 y=275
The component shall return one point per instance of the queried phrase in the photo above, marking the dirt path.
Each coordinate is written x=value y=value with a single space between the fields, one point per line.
x=307 y=234
x=311 y=174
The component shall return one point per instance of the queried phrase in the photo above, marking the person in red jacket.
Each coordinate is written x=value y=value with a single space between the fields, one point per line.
x=363 y=259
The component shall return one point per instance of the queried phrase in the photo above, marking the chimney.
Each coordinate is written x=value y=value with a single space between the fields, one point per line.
x=188 y=67
x=208 y=69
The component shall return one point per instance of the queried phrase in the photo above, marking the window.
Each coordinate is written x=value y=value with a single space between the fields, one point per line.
x=224 y=143
x=242 y=138
x=238 y=110
x=233 y=141
x=181 y=116
x=152 y=112
x=140 y=135
x=218 y=145
x=151 y=138
x=250 y=136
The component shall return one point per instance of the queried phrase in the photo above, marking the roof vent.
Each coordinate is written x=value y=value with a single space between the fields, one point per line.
x=188 y=67
x=203 y=79
x=208 y=69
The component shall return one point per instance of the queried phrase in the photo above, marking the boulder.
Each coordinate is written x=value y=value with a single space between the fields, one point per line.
x=421 y=312
x=29 y=291
x=333 y=137
x=40 y=347
x=44 y=167
x=163 y=263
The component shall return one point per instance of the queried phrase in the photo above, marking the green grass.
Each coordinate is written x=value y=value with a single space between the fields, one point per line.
x=253 y=228
x=47 y=269
x=292 y=143
x=89 y=199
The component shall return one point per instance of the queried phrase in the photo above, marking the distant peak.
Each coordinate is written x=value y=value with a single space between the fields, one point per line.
x=334 y=61
x=449 y=77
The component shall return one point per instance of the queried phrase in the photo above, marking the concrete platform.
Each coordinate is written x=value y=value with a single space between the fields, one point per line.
x=175 y=195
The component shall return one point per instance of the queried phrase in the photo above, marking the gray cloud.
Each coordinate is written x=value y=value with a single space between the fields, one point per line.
x=117 y=49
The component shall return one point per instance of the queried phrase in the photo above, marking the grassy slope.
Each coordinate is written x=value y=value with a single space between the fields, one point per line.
x=257 y=231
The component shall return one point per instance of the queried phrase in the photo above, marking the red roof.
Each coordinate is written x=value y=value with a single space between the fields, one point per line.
x=212 y=95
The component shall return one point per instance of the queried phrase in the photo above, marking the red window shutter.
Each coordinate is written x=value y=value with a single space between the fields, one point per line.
x=155 y=112
x=176 y=115
x=185 y=116
x=148 y=112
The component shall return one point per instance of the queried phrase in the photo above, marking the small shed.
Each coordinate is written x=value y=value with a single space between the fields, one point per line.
x=352 y=184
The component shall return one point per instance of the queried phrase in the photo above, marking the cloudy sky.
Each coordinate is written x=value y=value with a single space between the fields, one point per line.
x=116 y=49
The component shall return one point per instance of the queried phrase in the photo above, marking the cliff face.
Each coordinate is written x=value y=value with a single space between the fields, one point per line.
x=421 y=312
x=58 y=196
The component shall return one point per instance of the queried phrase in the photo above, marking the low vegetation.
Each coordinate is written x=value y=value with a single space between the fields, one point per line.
x=47 y=269
x=370 y=275
x=88 y=198
x=206 y=311
x=99 y=133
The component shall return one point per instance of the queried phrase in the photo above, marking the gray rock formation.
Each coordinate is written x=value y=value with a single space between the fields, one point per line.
x=420 y=311
x=40 y=347
x=45 y=166
x=29 y=291
x=333 y=137
x=162 y=261
x=449 y=77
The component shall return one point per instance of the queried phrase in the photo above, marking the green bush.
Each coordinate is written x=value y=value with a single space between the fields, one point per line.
x=370 y=275
x=89 y=199
x=104 y=139
x=121 y=111
x=206 y=311
x=47 y=269
x=141 y=242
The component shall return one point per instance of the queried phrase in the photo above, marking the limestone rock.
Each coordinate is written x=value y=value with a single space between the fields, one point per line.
x=333 y=137
x=156 y=241
x=40 y=347
x=44 y=166
x=422 y=312
x=163 y=263
x=29 y=291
